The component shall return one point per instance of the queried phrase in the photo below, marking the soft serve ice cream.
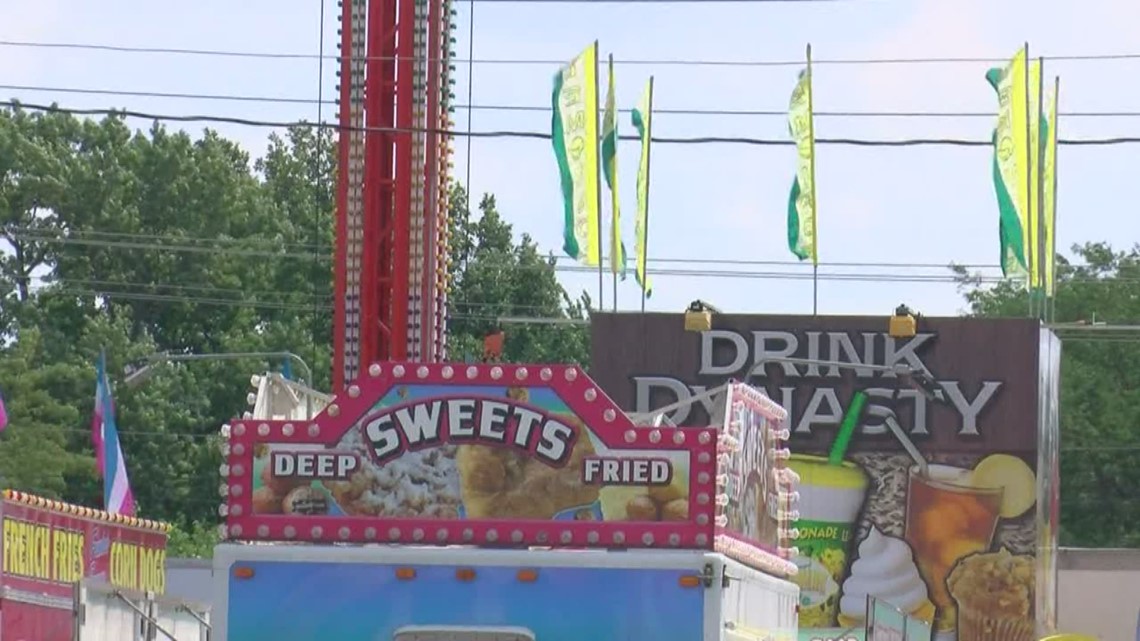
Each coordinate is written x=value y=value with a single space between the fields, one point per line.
x=886 y=571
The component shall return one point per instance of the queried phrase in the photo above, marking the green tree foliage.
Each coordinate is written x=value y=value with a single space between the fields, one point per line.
x=1100 y=389
x=494 y=277
x=139 y=242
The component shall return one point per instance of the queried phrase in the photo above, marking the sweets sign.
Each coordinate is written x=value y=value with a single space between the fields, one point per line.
x=472 y=454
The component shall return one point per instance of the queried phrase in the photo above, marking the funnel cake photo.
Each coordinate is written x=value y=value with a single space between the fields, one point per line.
x=995 y=595
x=421 y=483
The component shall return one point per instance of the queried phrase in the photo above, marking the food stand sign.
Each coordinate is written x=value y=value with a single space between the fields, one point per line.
x=47 y=546
x=483 y=454
x=961 y=532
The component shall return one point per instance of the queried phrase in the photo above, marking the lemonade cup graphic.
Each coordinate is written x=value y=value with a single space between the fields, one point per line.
x=953 y=512
x=831 y=497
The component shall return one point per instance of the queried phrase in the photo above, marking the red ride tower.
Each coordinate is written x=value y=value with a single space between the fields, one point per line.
x=392 y=183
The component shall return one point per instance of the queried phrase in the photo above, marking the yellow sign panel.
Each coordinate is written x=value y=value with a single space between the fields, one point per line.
x=43 y=552
x=136 y=567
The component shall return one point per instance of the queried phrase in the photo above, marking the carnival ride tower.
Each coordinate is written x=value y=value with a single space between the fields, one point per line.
x=392 y=183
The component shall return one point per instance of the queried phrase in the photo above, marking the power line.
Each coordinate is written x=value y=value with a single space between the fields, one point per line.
x=523 y=61
x=42 y=236
x=295 y=255
x=537 y=135
x=111 y=240
x=541 y=109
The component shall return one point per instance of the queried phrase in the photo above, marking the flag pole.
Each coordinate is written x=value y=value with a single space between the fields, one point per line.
x=1055 y=135
x=814 y=203
x=648 y=161
x=615 y=238
x=1042 y=258
x=1029 y=190
x=598 y=179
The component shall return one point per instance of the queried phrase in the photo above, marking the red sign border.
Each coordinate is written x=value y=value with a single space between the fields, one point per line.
x=584 y=397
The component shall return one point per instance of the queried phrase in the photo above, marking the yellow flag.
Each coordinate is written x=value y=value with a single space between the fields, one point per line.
x=609 y=168
x=643 y=122
x=1019 y=155
x=1049 y=209
x=802 y=240
x=575 y=137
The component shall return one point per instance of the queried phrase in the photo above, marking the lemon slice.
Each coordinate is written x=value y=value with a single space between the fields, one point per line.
x=1014 y=476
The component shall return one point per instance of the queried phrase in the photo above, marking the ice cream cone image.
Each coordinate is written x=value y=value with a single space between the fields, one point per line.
x=886 y=571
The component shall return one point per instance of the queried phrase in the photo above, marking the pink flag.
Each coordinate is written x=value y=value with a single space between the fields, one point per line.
x=3 y=414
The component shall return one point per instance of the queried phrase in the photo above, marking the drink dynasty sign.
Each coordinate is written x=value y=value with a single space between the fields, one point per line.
x=977 y=399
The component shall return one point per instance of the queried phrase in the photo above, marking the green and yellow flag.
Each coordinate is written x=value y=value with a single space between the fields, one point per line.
x=609 y=167
x=801 y=202
x=643 y=122
x=1049 y=190
x=1016 y=167
x=575 y=136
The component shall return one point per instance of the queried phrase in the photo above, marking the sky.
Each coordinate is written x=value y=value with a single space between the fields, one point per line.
x=921 y=206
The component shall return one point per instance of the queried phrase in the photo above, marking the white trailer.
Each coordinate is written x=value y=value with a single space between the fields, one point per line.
x=283 y=592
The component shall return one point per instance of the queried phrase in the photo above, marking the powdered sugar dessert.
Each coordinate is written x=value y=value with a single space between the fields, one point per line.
x=418 y=483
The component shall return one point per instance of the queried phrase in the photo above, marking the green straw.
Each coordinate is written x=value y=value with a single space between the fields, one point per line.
x=847 y=429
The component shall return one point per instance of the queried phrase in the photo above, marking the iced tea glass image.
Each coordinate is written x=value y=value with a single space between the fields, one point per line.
x=947 y=518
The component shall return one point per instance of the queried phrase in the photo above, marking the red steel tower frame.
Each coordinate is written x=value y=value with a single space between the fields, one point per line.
x=392 y=184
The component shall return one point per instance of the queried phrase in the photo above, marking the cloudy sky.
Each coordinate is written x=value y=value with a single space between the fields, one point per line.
x=716 y=210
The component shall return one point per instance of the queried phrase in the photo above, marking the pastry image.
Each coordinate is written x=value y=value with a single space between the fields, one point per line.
x=499 y=483
x=642 y=503
x=277 y=484
x=265 y=501
x=305 y=500
x=995 y=593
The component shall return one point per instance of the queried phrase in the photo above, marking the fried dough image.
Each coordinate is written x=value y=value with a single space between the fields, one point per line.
x=497 y=482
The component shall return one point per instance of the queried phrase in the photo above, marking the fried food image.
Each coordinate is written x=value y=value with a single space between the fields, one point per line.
x=265 y=501
x=652 y=503
x=499 y=483
x=306 y=500
x=280 y=485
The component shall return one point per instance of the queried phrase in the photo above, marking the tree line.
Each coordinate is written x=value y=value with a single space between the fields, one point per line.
x=140 y=242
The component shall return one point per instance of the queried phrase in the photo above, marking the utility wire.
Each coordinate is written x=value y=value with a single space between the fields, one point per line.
x=27 y=232
x=306 y=251
x=537 y=135
x=523 y=61
x=539 y=109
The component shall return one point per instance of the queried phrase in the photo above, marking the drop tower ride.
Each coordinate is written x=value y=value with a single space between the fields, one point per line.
x=390 y=270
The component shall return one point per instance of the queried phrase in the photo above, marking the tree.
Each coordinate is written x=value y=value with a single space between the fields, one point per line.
x=1100 y=390
x=139 y=242
x=493 y=277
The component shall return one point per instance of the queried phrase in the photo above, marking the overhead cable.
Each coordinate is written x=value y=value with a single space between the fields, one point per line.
x=523 y=61
x=538 y=135
x=546 y=109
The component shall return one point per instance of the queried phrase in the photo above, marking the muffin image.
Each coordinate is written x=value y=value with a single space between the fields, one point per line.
x=995 y=596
